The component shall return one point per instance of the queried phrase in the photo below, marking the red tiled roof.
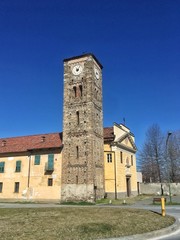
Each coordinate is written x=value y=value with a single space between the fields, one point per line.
x=40 y=141
x=108 y=134
x=25 y=143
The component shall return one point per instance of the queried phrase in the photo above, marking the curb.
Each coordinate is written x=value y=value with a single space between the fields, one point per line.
x=150 y=235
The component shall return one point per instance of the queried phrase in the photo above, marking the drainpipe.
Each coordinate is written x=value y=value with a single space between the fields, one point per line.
x=115 y=180
x=29 y=170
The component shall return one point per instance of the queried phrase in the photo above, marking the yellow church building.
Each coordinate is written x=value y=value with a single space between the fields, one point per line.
x=119 y=162
x=84 y=163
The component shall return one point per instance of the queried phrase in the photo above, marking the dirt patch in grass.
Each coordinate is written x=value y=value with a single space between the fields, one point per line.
x=77 y=223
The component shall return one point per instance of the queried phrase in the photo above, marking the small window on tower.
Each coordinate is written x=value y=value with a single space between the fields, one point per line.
x=77 y=152
x=77 y=116
x=76 y=179
x=80 y=89
x=75 y=91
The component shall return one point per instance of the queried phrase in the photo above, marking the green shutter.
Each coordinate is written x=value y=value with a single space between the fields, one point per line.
x=51 y=162
x=18 y=166
x=2 y=167
x=37 y=160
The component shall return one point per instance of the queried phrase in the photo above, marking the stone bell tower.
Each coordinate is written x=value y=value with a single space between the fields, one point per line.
x=82 y=164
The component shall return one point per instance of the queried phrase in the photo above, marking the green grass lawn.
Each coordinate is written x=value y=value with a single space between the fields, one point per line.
x=125 y=200
x=77 y=223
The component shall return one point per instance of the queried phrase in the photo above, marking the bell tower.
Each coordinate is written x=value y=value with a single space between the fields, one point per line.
x=82 y=161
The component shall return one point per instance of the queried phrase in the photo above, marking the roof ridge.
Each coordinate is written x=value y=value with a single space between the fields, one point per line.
x=31 y=135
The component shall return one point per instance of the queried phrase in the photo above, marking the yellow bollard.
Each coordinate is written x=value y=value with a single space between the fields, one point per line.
x=163 y=207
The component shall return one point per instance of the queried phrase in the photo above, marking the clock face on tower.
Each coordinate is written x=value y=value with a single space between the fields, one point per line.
x=77 y=69
x=96 y=71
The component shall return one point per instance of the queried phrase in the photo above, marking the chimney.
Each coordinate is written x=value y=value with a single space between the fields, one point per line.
x=3 y=143
x=43 y=138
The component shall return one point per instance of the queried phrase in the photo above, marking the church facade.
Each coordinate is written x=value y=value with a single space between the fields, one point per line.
x=84 y=163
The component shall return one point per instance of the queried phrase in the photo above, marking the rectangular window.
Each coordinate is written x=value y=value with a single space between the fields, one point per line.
x=2 y=167
x=50 y=162
x=1 y=187
x=50 y=181
x=37 y=160
x=109 y=157
x=18 y=166
x=121 y=157
x=16 y=187
x=131 y=160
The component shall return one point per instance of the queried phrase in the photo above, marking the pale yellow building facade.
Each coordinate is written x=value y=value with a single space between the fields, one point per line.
x=30 y=168
x=119 y=162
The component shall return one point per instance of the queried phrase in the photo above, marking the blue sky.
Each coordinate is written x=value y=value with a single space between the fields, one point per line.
x=137 y=42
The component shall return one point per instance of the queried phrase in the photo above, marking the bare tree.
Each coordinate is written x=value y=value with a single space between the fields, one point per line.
x=173 y=158
x=152 y=155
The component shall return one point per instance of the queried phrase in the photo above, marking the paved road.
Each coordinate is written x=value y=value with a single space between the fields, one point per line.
x=170 y=210
x=173 y=211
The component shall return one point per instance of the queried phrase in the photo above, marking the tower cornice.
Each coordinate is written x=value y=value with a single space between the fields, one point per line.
x=84 y=55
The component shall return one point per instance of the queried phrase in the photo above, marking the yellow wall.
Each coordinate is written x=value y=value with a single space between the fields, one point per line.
x=109 y=170
x=116 y=171
x=36 y=188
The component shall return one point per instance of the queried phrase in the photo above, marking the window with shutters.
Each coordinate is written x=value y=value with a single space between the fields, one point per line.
x=50 y=163
x=37 y=160
x=18 y=166
x=2 y=167
x=16 y=187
